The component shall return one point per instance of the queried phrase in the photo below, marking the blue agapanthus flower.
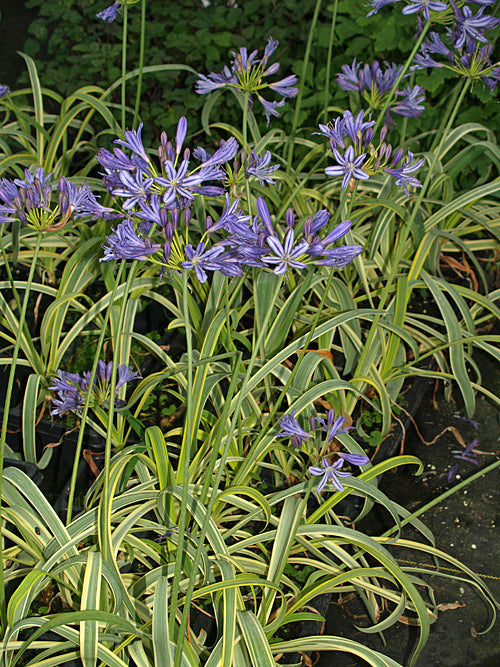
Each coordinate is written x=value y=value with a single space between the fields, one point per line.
x=261 y=168
x=202 y=260
x=411 y=6
x=287 y=254
x=334 y=425
x=124 y=243
x=329 y=472
x=404 y=173
x=293 y=430
x=109 y=14
x=349 y=166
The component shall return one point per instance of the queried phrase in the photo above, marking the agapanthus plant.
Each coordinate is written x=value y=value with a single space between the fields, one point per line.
x=324 y=449
x=71 y=389
x=247 y=73
x=358 y=156
x=40 y=202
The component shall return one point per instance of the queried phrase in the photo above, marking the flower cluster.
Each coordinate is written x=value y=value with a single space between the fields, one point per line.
x=71 y=389
x=155 y=191
x=374 y=83
x=351 y=140
x=255 y=242
x=4 y=90
x=246 y=73
x=246 y=241
x=329 y=471
x=32 y=201
x=464 y=48
x=153 y=201
x=154 y=196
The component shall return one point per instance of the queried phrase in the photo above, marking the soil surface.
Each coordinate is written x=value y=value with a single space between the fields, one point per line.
x=466 y=525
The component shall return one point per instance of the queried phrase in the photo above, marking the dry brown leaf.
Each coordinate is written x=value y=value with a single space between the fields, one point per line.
x=307 y=660
x=445 y=606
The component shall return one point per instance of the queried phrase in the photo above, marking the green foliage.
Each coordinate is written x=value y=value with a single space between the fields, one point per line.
x=73 y=45
x=209 y=508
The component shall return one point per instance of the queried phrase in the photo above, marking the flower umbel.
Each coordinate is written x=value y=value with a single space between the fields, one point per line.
x=71 y=389
x=358 y=156
x=247 y=73
x=40 y=202
x=334 y=426
x=374 y=83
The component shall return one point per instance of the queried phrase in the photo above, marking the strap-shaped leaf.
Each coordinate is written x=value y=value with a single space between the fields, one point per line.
x=91 y=591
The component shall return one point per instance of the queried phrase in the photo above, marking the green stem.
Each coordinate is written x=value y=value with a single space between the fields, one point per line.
x=329 y=60
x=9 y=276
x=104 y=518
x=5 y=420
x=406 y=66
x=239 y=479
x=124 y=63
x=305 y=63
x=86 y=406
x=246 y=148
x=184 y=461
x=400 y=246
x=435 y=501
x=141 y=62
x=452 y=104
x=220 y=471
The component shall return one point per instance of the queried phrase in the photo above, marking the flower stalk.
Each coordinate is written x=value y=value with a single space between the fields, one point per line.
x=6 y=407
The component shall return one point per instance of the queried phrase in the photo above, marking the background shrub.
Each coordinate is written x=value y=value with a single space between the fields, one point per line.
x=71 y=45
